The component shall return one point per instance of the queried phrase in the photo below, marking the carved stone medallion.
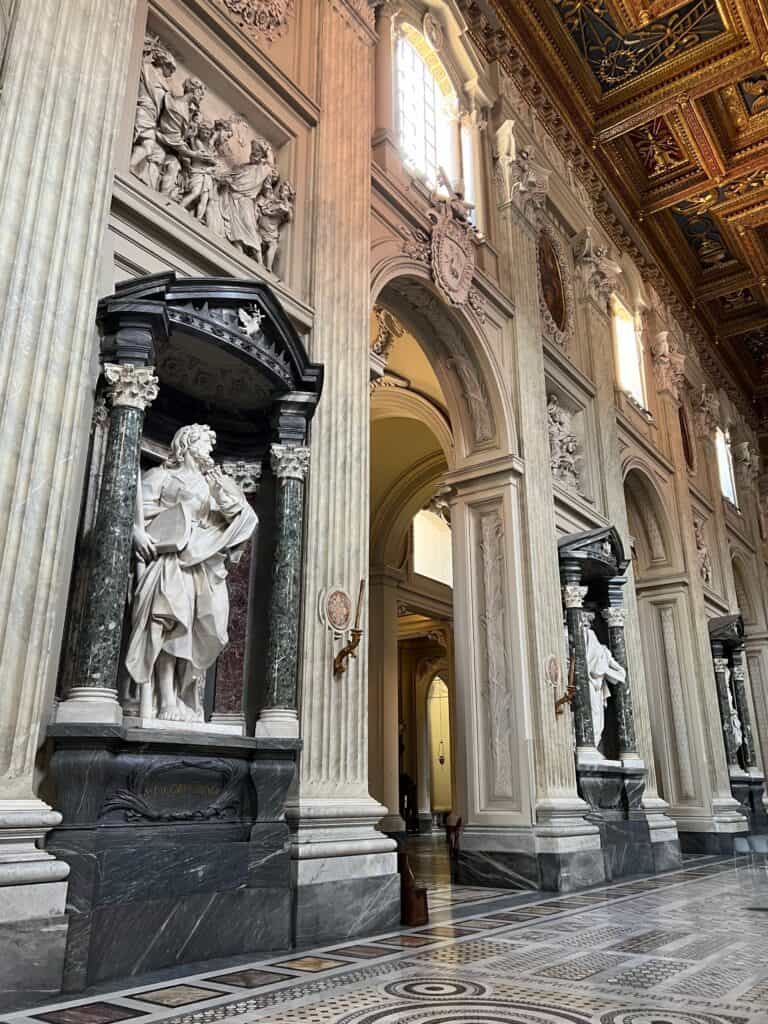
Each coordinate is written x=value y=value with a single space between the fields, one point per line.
x=265 y=20
x=453 y=259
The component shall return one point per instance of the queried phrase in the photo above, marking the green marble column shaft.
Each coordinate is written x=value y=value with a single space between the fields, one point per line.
x=573 y=598
x=131 y=390
x=622 y=693
x=721 y=681
x=289 y=464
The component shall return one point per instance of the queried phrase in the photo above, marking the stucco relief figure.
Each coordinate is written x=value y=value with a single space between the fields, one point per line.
x=602 y=668
x=191 y=523
x=200 y=162
x=564 y=449
x=702 y=552
x=176 y=129
x=148 y=155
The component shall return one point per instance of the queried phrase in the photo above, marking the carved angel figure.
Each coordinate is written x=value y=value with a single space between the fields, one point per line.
x=191 y=522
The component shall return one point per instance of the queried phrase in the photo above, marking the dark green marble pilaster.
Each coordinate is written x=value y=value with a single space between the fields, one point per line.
x=101 y=629
x=742 y=707
x=289 y=465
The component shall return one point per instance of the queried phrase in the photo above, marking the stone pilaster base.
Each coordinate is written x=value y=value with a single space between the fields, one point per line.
x=522 y=858
x=344 y=871
x=33 y=888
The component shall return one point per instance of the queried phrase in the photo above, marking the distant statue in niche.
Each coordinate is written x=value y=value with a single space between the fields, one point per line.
x=602 y=668
x=189 y=158
x=191 y=522
x=736 y=730
x=702 y=552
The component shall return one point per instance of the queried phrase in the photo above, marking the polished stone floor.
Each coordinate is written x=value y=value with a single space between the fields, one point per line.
x=690 y=947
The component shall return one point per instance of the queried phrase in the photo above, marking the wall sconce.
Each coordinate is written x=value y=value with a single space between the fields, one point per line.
x=349 y=650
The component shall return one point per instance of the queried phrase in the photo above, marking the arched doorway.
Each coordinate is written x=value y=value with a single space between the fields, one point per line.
x=443 y=452
x=664 y=613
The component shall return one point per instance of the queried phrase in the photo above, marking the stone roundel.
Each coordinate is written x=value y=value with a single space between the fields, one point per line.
x=649 y=1015
x=438 y=1009
x=434 y=988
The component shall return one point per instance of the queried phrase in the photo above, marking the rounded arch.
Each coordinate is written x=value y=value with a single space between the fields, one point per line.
x=396 y=402
x=649 y=523
x=469 y=375
x=408 y=496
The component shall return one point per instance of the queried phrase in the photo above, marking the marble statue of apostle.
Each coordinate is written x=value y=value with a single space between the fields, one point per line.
x=191 y=522
x=602 y=668
x=736 y=731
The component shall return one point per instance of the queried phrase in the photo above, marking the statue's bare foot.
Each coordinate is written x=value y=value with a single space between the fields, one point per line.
x=172 y=714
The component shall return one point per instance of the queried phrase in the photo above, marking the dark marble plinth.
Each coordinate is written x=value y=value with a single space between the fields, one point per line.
x=614 y=794
x=177 y=845
x=667 y=856
x=346 y=908
x=569 y=871
x=499 y=869
x=749 y=793
x=720 y=844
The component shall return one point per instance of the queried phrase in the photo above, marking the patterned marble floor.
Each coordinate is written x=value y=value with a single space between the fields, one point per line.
x=690 y=947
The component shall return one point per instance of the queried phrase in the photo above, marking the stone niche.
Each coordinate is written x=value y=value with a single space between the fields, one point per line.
x=175 y=831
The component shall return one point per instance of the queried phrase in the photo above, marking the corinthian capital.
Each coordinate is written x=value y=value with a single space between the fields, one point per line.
x=132 y=386
x=573 y=595
x=615 y=616
x=289 y=462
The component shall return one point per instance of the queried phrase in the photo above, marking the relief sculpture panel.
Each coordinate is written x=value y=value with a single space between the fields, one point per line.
x=216 y=167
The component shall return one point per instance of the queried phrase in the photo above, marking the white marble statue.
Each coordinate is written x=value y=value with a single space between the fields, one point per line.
x=191 y=522
x=602 y=668
x=736 y=731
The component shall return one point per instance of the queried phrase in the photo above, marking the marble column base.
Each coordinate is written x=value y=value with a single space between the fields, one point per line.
x=89 y=705
x=749 y=791
x=33 y=889
x=277 y=723
x=175 y=836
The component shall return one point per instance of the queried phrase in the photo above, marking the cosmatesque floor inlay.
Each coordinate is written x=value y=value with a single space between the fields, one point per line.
x=683 y=948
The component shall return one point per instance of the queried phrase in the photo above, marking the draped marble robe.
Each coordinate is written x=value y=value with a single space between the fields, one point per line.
x=180 y=602
x=601 y=666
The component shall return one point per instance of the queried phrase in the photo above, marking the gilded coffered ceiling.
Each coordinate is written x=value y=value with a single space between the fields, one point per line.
x=670 y=98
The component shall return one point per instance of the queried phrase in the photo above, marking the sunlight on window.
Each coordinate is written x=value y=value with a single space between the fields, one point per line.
x=725 y=465
x=432 y=554
x=629 y=354
x=426 y=103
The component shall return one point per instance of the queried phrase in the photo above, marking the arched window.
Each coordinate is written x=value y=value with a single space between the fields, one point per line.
x=432 y=554
x=427 y=108
x=629 y=353
x=725 y=465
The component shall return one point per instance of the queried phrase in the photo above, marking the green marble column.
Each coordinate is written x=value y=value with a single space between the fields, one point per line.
x=573 y=599
x=130 y=390
x=720 y=663
x=279 y=716
x=615 y=616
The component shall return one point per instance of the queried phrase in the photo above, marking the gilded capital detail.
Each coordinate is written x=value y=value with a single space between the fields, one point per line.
x=289 y=462
x=132 y=386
